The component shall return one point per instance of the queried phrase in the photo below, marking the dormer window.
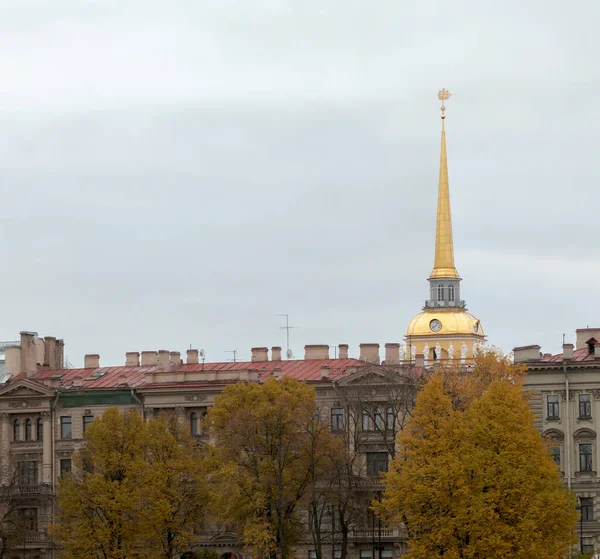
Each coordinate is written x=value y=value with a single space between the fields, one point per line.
x=591 y=343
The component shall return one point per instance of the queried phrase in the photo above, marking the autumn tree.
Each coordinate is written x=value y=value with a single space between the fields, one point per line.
x=473 y=478
x=269 y=448
x=135 y=491
x=173 y=496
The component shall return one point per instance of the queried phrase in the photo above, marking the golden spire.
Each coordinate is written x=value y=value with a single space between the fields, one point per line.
x=443 y=266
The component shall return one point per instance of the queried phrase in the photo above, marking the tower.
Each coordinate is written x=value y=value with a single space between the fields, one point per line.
x=444 y=330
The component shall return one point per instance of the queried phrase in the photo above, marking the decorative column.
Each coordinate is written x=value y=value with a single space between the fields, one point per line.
x=4 y=448
x=47 y=448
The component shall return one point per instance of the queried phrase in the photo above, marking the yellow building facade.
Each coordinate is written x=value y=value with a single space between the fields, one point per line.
x=444 y=330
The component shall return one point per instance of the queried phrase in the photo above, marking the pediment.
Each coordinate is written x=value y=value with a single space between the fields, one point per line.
x=370 y=375
x=25 y=389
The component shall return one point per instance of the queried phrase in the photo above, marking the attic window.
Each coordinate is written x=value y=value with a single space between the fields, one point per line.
x=97 y=374
x=591 y=345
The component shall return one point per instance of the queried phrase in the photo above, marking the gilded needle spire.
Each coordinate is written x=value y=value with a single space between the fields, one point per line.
x=443 y=266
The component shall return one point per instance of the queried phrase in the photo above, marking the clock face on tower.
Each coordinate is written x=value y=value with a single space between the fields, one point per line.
x=435 y=325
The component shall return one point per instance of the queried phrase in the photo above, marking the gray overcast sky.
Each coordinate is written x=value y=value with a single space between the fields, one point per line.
x=179 y=172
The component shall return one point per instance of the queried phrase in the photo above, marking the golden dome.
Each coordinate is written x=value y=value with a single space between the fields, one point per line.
x=452 y=322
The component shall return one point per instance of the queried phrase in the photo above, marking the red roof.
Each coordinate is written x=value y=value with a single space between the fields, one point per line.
x=582 y=354
x=107 y=378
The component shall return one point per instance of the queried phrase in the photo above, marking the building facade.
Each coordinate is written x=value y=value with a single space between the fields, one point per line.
x=45 y=410
x=564 y=392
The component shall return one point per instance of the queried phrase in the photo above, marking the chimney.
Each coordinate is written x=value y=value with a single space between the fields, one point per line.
x=369 y=353
x=175 y=358
x=419 y=360
x=324 y=372
x=343 y=351
x=260 y=354
x=192 y=356
x=277 y=373
x=275 y=353
x=567 y=352
x=28 y=353
x=12 y=359
x=91 y=361
x=526 y=353
x=50 y=351
x=149 y=358
x=392 y=354
x=132 y=359
x=60 y=354
x=316 y=351
x=163 y=360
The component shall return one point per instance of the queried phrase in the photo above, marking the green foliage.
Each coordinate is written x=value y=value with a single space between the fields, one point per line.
x=474 y=478
x=136 y=491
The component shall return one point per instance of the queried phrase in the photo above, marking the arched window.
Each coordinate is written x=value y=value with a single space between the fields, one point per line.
x=451 y=293
x=440 y=293
x=16 y=430
x=28 y=429
x=40 y=429
x=194 y=424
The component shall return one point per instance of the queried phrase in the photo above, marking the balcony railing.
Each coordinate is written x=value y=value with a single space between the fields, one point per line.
x=370 y=534
x=37 y=537
x=16 y=490
x=370 y=482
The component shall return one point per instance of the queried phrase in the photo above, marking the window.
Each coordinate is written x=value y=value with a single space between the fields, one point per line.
x=66 y=425
x=28 y=429
x=366 y=421
x=440 y=293
x=16 y=430
x=555 y=454
x=387 y=553
x=337 y=419
x=451 y=293
x=65 y=466
x=390 y=419
x=194 y=424
x=366 y=554
x=312 y=554
x=40 y=429
x=87 y=419
x=378 y=419
x=28 y=472
x=585 y=405
x=587 y=508
x=29 y=519
x=585 y=457
x=377 y=462
x=337 y=552
x=553 y=407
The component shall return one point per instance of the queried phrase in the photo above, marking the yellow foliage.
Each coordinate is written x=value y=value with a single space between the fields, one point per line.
x=474 y=478
x=137 y=490
x=269 y=448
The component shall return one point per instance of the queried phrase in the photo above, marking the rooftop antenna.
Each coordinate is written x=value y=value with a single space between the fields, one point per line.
x=234 y=351
x=288 y=353
x=203 y=357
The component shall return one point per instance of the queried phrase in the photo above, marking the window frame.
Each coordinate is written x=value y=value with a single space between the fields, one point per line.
x=366 y=423
x=440 y=292
x=64 y=468
x=16 y=429
x=337 y=419
x=28 y=472
x=193 y=424
x=28 y=429
x=586 y=458
x=587 y=406
x=451 y=293
x=86 y=422
x=64 y=421
x=588 y=508
x=390 y=419
x=555 y=453
x=379 y=423
x=39 y=429
x=30 y=521
x=375 y=462
x=552 y=406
